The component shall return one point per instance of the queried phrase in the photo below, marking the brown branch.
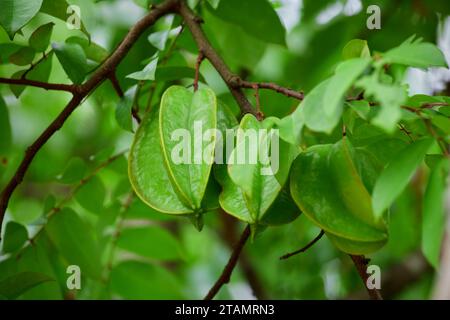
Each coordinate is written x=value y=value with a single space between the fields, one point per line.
x=193 y=23
x=270 y=86
x=309 y=245
x=228 y=270
x=44 y=85
x=398 y=277
x=197 y=69
x=80 y=93
x=229 y=234
x=116 y=85
x=361 y=265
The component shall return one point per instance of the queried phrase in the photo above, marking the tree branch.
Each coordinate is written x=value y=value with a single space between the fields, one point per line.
x=398 y=277
x=197 y=69
x=229 y=234
x=44 y=85
x=228 y=270
x=361 y=265
x=270 y=86
x=193 y=23
x=81 y=92
x=309 y=245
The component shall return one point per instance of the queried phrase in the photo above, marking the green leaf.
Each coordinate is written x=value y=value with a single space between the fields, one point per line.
x=322 y=107
x=91 y=195
x=15 y=89
x=92 y=50
x=17 y=13
x=158 y=39
x=58 y=9
x=214 y=3
x=397 y=174
x=24 y=56
x=356 y=48
x=16 y=285
x=291 y=127
x=40 y=38
x=148 y=73
x=73 y=60
x=147 y=171
x=391 y=97
x=151 y=242
x=137 y=280
x=255 y=183
x=123 y=109
x=75 y=241
x=41 y=72
x=433 y=225
x=5 y=129
x=15 y=237
x=264 y=23
x=282 y=211
x=314 y=115
x=7 y=49
x=228 y=38
x=328 y=187
x=74 y=172
x=346 y=74
x=415 y=53
x=187 y=115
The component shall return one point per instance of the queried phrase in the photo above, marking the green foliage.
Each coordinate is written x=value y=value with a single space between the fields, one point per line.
x=361 y=157
x=328 y=188
x=15 y=237
x=5 y=128
x=16 y=13
x=16 y=285
x=40 y=39
x=433 y=226
x=73 y=239
x=136 y=280
x=265 y=26
x=416 y=53
x=73 y=60
x=148 y=73
x=150 y=242
x=124 y=107
x=397 y=174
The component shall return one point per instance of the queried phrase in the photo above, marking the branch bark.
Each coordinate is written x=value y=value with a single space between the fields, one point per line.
x=44 y=85
x=399 y=276
x=193 y=23
x=361 y=265
x=228 y=270
x=230 y=236
x=299 y=95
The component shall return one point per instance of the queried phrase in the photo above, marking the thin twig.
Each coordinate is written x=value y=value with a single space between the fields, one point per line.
x=309 y=245
x=228 y=270
x=361 y=265
x=34 y=65
x=120 y=94
x=70 y=196
x=39 y=84
x=270 y=86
